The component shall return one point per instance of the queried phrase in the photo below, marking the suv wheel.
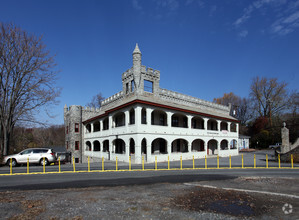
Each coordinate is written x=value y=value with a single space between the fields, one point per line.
x=13 y=162
x=41 y=162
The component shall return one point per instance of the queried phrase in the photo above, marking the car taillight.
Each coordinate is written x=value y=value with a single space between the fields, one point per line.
x=52 y=154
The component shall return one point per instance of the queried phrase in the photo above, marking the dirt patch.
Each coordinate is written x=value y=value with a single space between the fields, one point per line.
x=223 y=201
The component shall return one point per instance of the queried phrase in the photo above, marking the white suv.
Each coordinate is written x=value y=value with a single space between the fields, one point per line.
x=35 y=155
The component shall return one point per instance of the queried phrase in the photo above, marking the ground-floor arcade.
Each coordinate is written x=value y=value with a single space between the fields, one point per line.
x=149 y=147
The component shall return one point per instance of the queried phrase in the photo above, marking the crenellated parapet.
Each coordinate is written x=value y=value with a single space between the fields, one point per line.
x=150 y=74
x=176 y=97
x=112 y=99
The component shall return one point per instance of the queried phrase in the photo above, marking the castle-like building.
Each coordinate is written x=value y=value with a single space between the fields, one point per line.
x=144 y=120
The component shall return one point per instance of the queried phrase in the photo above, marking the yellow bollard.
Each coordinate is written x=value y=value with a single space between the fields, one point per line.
x=181 y=163
x=279 y=160
x=103 y=168
x=292 y=161
x=267 y=161
x=88 y=164
x=254 y=162
x=59 y=165
x=230 y=161
x=10 y=166
x=74 y=167
x=193 y=162
x=142 y=162
x=168 y=163
x=156 y=167
x=217 y=161
x=130 y=163
x=242 y=161
x=44 y=166
x=206 y=164
x=116 y=167
x=28 y=165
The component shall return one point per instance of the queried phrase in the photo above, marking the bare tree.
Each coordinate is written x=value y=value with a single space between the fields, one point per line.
x=240 y=106
x=27 y=79
x=269 y=97
x=96 y=101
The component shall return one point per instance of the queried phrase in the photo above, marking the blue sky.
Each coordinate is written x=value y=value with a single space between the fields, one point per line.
x=203 y=48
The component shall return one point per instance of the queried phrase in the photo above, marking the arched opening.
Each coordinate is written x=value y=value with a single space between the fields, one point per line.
x=233 y=127
x=143 y=146
x=159 y=118
x=224 y=145
x=88 y=146
x=88 y=128
x=132 y=146
x=143 y=116
x=105 y=124
x=119 y=119
x=120 y=146
x=212 y=147
x=179 y=145
x=159 y=146
x=233 y=144
x=223 y=126
x=96 y=146
x=212 y=125
x=96 y=126
x=132 y=117
x=106 y=146
x=198 y=145
x=179 y=120
x=197 y=123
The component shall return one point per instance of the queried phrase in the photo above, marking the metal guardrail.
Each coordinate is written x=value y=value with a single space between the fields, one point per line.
x=218 y=166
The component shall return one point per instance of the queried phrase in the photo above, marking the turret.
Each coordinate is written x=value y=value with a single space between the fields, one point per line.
x=137 y=66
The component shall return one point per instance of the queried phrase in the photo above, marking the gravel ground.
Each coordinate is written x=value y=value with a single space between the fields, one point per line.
x=156 y=201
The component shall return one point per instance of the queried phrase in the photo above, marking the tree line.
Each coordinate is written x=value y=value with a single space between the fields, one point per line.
x=262 y=113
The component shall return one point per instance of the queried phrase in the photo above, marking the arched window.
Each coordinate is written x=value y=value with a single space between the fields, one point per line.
x=224 y=145
x=198 y=145
x=132 y=116
x=197 y=123
x=119 y=119
x=179 y=120
x=159 y=118
x=88 y=146
x=96 y=146
x=179 y=145
x=88 y=128
x=159 y=146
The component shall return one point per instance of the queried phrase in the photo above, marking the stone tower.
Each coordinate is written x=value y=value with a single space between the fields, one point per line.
x=139 y=79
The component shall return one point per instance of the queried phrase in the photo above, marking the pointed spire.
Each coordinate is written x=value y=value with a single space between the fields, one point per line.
x=136 y=49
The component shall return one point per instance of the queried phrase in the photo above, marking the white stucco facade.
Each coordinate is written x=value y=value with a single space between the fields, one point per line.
x=145 y=121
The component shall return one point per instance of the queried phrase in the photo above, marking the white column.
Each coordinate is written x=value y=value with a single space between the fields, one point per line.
x=111 y=123
x=218 y=125
x=169 y=148
x=237 y=128
x=206 y=123
x=206 y=146
x=149 y=116
x=138 y=115
x=169 y=114
x=228 y=126
x=127 y=118
x=189 y=147
x=148 y=150
x=189 y=117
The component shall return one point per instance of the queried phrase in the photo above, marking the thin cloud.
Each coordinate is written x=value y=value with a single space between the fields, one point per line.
x=286 y=24
x=243 y=33
x=136 y=5
x=287 y=18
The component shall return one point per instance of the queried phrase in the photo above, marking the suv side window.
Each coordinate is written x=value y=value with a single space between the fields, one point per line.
x=26 y=152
